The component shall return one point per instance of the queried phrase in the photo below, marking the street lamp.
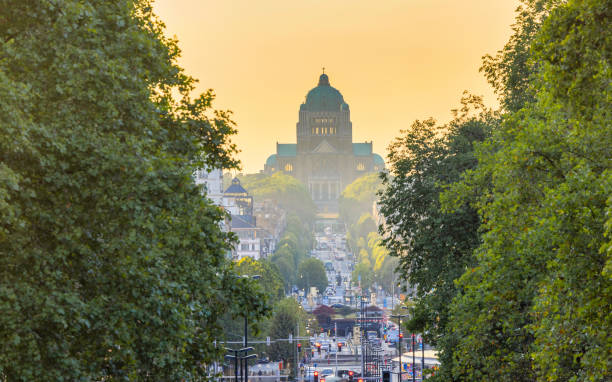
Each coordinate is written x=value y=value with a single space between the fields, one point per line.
x=246 y=332
x=399 y=340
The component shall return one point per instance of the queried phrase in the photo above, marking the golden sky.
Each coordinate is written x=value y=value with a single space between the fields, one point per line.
x=394 y=61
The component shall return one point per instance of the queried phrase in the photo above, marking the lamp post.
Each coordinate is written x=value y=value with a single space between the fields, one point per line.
x=246 y=333
x=413 y=361
x=399 y=340
x=422 y=355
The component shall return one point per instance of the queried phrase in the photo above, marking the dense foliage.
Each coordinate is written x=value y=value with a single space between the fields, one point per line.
x=533 y=302
x=286 y=190
x=311 y=273
x=434 y=247
x=538 y=303
x=269 y=279
x=288 y=318
x=112 y=265
x=358 y=197
x=373 y=265
x=293 y=248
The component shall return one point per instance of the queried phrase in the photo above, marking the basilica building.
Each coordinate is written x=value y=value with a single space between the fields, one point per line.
x=325 y=158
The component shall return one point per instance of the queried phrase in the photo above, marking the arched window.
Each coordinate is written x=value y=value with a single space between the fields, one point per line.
x=288 y=167
x=360 y=166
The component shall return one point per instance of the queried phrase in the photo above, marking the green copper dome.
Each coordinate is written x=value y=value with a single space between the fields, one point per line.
x=378 y=159
x=324 y=97
x=271 y=161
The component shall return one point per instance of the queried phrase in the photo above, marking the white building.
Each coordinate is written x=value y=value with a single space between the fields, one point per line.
x=239 y=204
x=212 y=184
x=249 y=237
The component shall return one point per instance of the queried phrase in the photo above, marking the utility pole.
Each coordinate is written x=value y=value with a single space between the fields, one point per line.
x=362 y=339
x=336 y=341
x=399 y=341
x=246 y=342
x=422 y=356
x=297 y=326
x=413 y=362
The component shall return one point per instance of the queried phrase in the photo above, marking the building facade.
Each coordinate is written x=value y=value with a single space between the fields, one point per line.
x=211 y=181
x=325 y=158
x=239 y=204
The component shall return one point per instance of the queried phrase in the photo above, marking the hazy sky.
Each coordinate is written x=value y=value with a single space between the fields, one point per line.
x=394 y=61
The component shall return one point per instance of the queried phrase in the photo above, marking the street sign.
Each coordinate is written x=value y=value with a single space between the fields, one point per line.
x=268 y=341
x=290 y=338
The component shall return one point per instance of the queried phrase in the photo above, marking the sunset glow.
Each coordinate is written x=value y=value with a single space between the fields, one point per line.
x=393 y=60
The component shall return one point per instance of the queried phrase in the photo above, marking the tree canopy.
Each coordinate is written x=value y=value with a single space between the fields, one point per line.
x=271 y=279
x=311 y=273
x=293 y=247
x=358 y=197
x=288 y=316
x=433 y=246
x=289 y=192
x=535 y=303
x=531 y=303
x=112 y=265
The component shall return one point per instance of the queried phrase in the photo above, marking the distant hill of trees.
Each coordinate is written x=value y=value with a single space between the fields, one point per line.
x=289 y=192
x=357 y=198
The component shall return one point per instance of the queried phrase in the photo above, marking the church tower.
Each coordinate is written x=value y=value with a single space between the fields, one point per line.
x=324 y=119
x=324 y=158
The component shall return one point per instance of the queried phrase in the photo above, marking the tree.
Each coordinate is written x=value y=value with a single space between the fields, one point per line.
x=289 y=192
x=311 y=273
x=293 y=247
x=112 y=265
x=271 y=280
x=510 y=70
x=363 y=274
x=537 y=302
x=433 y=246
x=357 y=198
x=288 y=316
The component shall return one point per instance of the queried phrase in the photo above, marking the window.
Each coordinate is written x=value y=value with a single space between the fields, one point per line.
x=288 y=167
x=360 y=166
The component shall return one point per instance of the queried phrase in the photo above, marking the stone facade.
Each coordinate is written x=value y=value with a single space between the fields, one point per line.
x=325 y=158
x=211 y=181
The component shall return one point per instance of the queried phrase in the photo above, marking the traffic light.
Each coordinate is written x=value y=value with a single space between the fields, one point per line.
x=360 y=380
x=323 y=379
x=401 y=335
x=319 y=348
x=339 y=346
x=351 y=375
x=299 y=348
x=316 y=376
x=386 y=376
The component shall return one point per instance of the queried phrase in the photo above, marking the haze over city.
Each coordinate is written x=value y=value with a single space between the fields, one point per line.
x=393 y=60
x=402 y=191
